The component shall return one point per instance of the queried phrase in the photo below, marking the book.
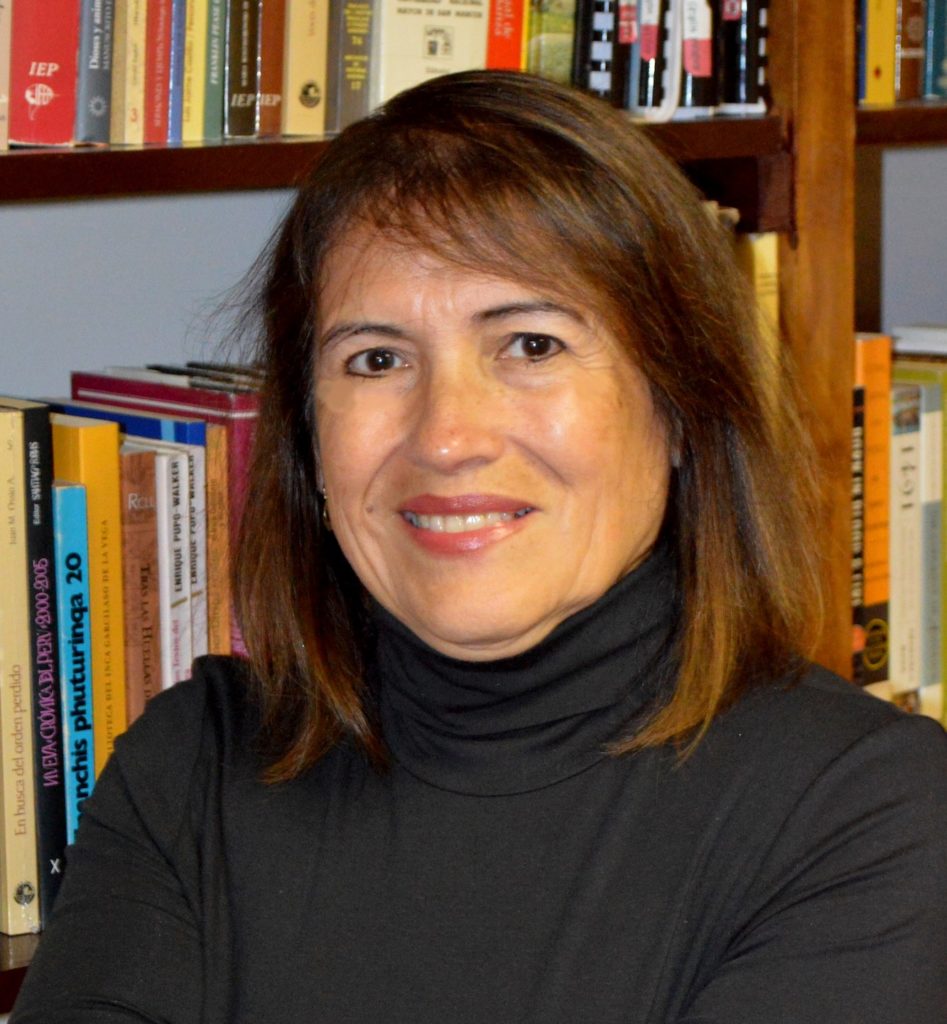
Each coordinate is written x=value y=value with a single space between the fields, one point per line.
x=214 y=76
x=743 y=61
x=272 y=39
x=424 y=39
x=305 y=67
x=241 y=76
x=594 y=46
x=551 y=39
x=699 y=59
x=120 y=36
x=858 y=526
x=757 y=254
x=43 y=66
x=659 y=61
x=140 y=567
x=176 y=70
x=920 y=339
x=127 y=122
x=19 y=877
x=71 y=553
x=48 y=777
x=871 y=647
x=157 y=71
x=906 y=539
x=349 y=62
x=6 y=14
x=880 y=30
x=909 y=50
x=86 y=451
x=935 y=50
x=507 y=34
x=194 y=78
x=94 y=83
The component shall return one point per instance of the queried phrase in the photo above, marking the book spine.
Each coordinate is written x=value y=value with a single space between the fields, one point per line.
x=506 y=33
x=6 y=16
x=652 y=83
x=305 y=82
x=858 y=528
x=157 y=71
x=935 y=50
x=44 y=638
x=909 y=50
x=193 y=95
x=873 y=374
x=197 y=544
x=271 y=61
x=94 y=83
x=626 y=70
x=743 y=61
x=932 y=431
x=240 y=74
x=906 y=539
x=43 y=65
x=218 y=543
x=119 y=73
x=176 y=70
x=140 y=567
x=352 y=30
x=180 y=566
x=71 y=553
x=880 y=31
x=136 y=42
x=19 y=879
x=214 y=79
x=552 y=39
x=699 y=60
x=88 y=454
x=596 y=32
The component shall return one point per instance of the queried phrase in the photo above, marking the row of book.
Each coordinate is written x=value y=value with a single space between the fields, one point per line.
x=899 y=530
x=171 y=71
x=120 y=507
x=902 y=50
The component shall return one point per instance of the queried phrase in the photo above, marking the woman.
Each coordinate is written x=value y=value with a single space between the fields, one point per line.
x=525 y=734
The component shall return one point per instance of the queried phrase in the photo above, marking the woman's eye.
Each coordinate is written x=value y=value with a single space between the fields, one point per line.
x=373 y=362
x=533 y=347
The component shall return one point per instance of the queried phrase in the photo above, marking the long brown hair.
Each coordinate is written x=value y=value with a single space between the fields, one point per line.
x=513 y=175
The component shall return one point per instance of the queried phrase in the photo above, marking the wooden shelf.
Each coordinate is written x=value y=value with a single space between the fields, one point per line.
x=44 y=174
x=904 y=125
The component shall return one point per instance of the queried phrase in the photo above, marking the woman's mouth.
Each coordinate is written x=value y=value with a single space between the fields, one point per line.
x=464 y=523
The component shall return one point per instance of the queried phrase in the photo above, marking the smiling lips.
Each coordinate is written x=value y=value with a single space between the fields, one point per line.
x=462 y=523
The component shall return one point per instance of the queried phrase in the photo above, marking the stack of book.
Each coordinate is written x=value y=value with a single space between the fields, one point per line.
x=902 y=50
x=121 y=506
x=171 y=71
x=898 y=527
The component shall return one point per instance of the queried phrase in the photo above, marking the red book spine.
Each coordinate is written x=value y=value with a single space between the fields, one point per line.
x=505 y=34
x=157 y=70
x=270 y=92
x=43 y=65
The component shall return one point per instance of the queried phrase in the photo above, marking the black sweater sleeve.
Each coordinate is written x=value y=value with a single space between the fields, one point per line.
x=848 y=918
x=124 y=940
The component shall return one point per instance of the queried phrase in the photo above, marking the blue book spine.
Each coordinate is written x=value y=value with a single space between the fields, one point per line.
x=155 y=428
x=94 y=80
x=176 y=96
x=935 y=50
x=71 y=547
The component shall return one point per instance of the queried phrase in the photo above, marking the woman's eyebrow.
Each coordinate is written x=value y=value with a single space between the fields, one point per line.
x=530 y=306
x=354 y=327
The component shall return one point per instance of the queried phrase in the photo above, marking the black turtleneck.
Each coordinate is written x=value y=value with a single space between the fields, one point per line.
x=506 y=868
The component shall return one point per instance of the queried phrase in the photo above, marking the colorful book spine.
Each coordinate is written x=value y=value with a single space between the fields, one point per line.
x=858 y=524
x=932 y=488
x=94 y=83
x=352 y=28
x=880 y=32
x=240 y=72
x=86 y=451
x=214 y=79
x=157 y=66
x=193 y=94
x=906 y=539
x=743 y=59
x=136 y=26
x=551 y=39
x=909 y=50
x=176 y=70
x=659 y=60
x=19 y=877
x=75 y=644
x=305 y=67
x=43 y=66
x=218 y=543
x=272 y=54
x=140 y=566
x=47 y=724
x=699 y=59
x=872 y=644
x=935 y=50
x=507 y=35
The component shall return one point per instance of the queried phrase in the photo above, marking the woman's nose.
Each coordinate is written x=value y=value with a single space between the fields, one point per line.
x=458 y=421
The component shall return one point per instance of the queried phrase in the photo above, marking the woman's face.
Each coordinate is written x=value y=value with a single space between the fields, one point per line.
x=493 y=463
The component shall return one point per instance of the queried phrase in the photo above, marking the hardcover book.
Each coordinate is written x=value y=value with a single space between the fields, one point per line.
x=699 y=59
x=349 y=66
x=176 y=70
x=742 y=51
x=157 y=71
x=71 y=549
x=271 y=64
x=880 y=33
x=305 y=67
x=909 y=50
x=94 y=84
x=193 y=94
x=214 y=78
x=507 y=34
x=935 y=50
x=241 y=77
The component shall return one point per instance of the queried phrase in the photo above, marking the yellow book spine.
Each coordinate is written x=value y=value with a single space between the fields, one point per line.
x=86 y=452
x=218 y=542
x=880 y=40
x=304 y=67
x=119 y=59
x=194 y=92
x=136 y=18
x=19 y=878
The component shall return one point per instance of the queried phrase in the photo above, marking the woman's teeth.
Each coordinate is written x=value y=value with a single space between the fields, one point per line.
x=462 y=524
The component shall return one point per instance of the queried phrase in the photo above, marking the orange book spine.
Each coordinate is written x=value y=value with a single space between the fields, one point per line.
x=218 y=542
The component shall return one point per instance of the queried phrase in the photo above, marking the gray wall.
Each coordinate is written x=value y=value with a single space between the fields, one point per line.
x=87 y=284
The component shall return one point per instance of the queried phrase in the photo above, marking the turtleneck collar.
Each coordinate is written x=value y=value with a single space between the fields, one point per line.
x=526 y=722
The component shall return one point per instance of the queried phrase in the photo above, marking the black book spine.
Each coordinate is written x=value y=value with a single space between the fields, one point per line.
x=44 y=644
x=742 y=50
x=596 y=31
x=241 y=77
x=653 y=44
x=699 y=72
